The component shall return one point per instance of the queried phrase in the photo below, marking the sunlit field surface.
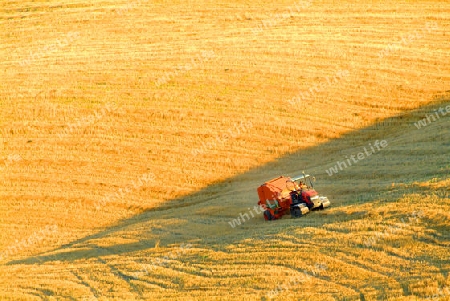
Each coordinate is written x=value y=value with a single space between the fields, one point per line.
x=134 y=135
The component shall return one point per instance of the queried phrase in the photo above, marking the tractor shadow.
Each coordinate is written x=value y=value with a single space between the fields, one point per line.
x=412 y=155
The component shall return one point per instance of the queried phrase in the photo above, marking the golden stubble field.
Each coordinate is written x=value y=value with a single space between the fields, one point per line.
x=133 y=133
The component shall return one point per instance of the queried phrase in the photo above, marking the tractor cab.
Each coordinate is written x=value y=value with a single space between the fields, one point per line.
x=289 y=194
x=303 y=181
x=307 y=194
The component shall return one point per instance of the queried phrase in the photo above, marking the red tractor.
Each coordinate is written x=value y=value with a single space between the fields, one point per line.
x=285 y=195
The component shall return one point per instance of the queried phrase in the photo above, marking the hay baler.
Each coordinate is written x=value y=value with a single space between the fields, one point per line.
x=286 y=195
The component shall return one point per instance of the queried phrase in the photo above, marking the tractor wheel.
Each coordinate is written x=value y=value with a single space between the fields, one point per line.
x=268 y=216
x=297 y=212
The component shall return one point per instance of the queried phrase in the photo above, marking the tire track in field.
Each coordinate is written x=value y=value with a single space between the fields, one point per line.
x=90 y=287
x=122 y=276
x=351 y=262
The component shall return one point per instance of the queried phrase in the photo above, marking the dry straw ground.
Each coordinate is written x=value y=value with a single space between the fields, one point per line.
x=133 y=132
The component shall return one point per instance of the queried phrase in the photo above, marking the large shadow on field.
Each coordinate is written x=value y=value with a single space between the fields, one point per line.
x=413 y=152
